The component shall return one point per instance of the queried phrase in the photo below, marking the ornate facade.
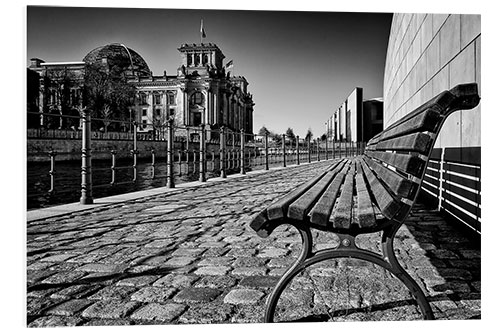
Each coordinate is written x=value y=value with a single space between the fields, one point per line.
x=202 y=92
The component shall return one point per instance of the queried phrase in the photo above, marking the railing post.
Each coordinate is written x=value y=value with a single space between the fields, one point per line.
x=203 y=177
x=179 y=154
x=113 y=167
x=52 y=172
x=213 y=160
x=134 y=152
x=152 y=163
x=222 y=153
x=317 y=150
x=86 y=197
x=333 y=144
x=170 y=153
x=242 y=152
x=283 y=144
x=298 y=151
x=266 y=147
x=309 y=149
x=326 y=148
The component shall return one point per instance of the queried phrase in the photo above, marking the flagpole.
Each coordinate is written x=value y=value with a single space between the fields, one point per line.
x=202 y=32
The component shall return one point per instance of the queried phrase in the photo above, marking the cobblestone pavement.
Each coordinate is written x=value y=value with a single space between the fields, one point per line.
x=189 y=257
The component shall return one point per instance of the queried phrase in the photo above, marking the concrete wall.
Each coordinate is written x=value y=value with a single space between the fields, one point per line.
x=429 y=53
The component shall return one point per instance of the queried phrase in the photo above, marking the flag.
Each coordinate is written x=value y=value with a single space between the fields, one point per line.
x=229 y=64
x=202 y=30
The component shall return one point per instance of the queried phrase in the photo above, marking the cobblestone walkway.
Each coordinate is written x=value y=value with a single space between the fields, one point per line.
x=189 y=257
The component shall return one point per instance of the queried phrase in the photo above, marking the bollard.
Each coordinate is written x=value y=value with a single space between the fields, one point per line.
x=86 y=197
x=242 y=152
x=52 y=171
x=283 y=144
x=170 y=153
x=266 y=147
x=203 y=177
x=222 y=153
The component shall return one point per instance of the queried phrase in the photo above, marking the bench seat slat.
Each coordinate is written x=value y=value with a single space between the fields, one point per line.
x=397 y=184
x=258 y=222
x=342 y=215
x=298 y=209
x=411 y=164
x=278 y=209
x=388 y=205
x=320 y=213
x=416 y=142
x=365 y=212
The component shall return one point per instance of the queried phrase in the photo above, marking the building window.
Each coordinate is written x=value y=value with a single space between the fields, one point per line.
x=72 y=98
x=170 y=98
x=144 y=112
x=189 y=59
x=205 y=59
x=157 y=99
x=157 y=112
x=171 y=112
x=142 y=99
x=197 y=98
x=196 y=118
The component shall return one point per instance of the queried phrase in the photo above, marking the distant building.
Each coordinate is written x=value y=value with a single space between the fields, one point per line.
x=356 y=120
x=202 y=91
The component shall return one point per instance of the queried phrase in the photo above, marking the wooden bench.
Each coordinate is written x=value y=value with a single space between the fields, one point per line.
x=366 y=194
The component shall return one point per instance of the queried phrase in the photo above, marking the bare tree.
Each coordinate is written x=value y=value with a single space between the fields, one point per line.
x=263 y=131
x=57 y=84
x=107 y=115
x=159 y=122
x=309 y=134
x=107 y=93
x=290 y=135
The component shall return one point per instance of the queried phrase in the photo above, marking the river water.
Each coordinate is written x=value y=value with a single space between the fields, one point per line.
x=67 y=178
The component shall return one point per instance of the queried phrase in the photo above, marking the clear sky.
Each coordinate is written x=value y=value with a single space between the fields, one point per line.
x=300 y=65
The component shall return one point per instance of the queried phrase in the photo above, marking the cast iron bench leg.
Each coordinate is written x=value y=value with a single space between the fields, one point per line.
x=306 y=252
x=400 y=273
x=347 y=249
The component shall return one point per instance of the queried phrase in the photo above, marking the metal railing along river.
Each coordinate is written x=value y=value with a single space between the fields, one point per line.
x=142 y=156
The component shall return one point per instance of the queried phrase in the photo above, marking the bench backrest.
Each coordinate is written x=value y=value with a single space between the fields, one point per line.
x=395 y=160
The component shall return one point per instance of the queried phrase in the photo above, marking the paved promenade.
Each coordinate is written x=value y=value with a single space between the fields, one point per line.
x=187 y=256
